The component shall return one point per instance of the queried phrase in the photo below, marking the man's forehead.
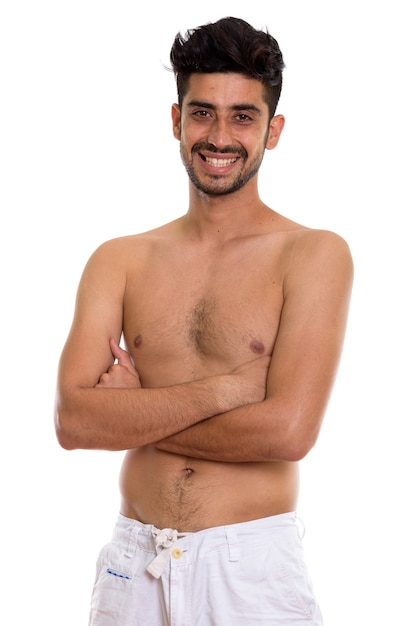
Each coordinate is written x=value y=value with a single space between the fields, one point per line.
x=225 y=90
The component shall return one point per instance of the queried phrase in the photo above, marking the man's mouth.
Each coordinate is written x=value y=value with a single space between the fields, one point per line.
x=219 y=162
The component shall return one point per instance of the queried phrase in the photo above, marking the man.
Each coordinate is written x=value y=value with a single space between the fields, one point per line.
x=233 y=320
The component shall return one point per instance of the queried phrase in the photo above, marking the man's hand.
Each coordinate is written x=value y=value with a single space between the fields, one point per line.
x=121 y=374
x=249 y=380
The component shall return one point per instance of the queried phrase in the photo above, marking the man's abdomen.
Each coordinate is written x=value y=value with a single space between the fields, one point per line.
x=171 y=491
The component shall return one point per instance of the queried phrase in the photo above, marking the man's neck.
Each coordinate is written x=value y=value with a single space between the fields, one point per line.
x=223 y=217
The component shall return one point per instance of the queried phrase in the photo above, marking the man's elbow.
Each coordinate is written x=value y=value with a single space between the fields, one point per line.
x=64 y=437
x=64 y=432
x=296 y=430
x=297 y=450
x=297 y=444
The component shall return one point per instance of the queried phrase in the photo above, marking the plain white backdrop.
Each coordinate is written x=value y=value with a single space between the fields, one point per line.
x=87 y=154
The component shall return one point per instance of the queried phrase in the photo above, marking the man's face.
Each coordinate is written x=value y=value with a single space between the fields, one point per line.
x=223 y=129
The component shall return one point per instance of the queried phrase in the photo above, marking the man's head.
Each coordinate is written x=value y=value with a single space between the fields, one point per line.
x=229 y=45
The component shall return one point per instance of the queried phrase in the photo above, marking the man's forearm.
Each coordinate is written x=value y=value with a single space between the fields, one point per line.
x=268 y=430
x=236 y=436
x=119 y=419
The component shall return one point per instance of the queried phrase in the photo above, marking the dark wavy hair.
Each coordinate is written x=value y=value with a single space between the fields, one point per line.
x=229 y=45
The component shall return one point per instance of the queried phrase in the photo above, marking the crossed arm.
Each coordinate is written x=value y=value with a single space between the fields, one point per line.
x=304 y=364
x=237 y=416
x=112 y=411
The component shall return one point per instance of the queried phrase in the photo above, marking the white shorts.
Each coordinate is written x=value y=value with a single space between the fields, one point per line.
x=248 y=574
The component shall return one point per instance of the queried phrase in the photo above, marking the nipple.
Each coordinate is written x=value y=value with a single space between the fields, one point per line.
x=137 y=341
x=257 y=346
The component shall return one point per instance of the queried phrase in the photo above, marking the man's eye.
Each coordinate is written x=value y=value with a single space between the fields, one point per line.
x=201 y=113
x=243 y=117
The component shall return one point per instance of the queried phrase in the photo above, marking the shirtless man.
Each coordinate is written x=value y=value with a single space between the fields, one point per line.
x=233 y=319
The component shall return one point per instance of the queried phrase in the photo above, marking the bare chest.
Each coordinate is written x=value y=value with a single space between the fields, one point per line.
x=183 y=315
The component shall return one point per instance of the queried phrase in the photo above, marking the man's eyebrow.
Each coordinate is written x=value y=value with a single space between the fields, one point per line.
x=244 y=106
x=200 y=103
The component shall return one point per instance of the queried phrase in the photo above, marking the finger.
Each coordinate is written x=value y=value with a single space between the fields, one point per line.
x=102 y=380
x=120 y=354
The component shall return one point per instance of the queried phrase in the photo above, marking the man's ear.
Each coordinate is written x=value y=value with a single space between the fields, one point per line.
x=275 y=130
x=176 y=119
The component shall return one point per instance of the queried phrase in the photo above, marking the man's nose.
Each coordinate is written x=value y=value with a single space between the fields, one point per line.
x=220 y=133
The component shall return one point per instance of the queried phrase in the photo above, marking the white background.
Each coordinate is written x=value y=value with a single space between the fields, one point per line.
x=87 y=154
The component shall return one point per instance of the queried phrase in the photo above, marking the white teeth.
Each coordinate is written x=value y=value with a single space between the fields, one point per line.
x=220 y=162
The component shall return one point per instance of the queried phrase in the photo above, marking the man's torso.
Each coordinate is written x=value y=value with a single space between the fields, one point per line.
x=192 y=310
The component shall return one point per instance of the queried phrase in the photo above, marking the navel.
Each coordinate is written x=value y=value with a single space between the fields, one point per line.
x=137 y=341
x=257 y=346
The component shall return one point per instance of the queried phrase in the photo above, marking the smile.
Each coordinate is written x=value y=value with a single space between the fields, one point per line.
x=219 y=162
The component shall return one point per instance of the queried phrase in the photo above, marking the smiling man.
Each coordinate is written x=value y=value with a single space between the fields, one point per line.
x=228 y=167
x=233 y=320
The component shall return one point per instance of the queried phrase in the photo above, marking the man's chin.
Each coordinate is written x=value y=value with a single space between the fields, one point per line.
x=216 y=190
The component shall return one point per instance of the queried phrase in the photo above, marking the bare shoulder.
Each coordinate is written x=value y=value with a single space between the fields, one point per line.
x=316 y=256
x=309 y=248
x=318 y=243
x=120 y=250
x=306 y=242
